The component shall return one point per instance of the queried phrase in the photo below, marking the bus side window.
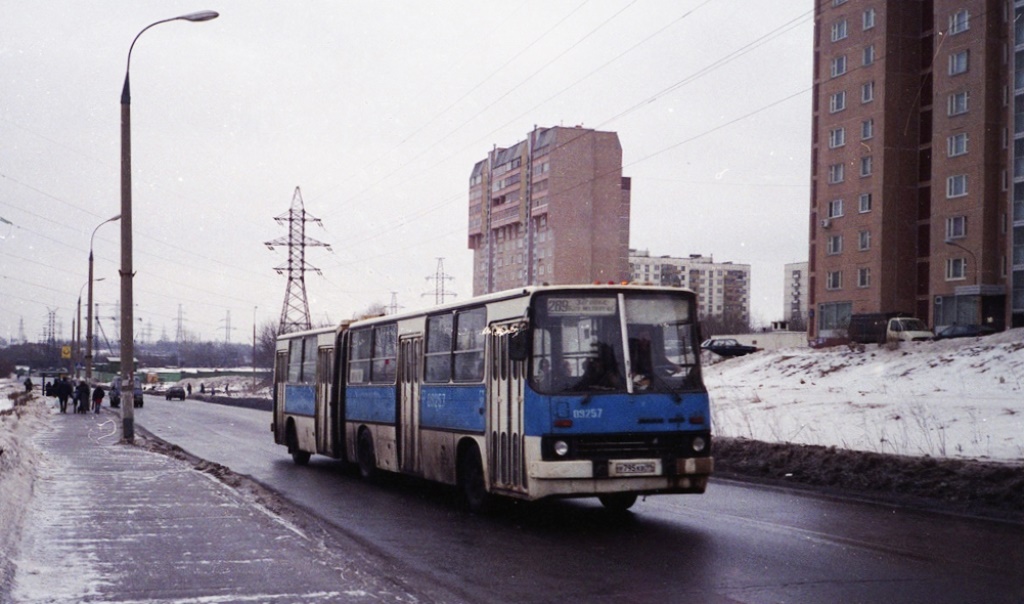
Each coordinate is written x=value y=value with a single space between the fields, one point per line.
x=469 y=345
x=385 y=345
x=308 y=360
x=438 y=358
x=294 y=360
x=359 y=356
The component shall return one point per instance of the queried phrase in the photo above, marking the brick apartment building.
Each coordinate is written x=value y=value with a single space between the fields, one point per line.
x=910 y=195
x=553 y=208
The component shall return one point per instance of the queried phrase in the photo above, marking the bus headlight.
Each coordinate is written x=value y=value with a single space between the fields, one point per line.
x=561 y=448
x=699 y=444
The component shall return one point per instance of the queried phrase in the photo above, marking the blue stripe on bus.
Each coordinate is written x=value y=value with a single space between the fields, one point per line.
x=299 y=399
x=374 y=404
x=611 y=413
x=453 y=407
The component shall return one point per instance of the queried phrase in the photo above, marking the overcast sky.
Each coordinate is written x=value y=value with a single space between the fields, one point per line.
x=378 y=111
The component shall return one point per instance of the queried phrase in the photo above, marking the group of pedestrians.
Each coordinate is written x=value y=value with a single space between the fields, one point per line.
x=83 y=397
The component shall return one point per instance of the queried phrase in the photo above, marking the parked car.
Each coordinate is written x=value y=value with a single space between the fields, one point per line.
x=964 y=331
x=727 y=347
x=175 y=392
x=878 y=328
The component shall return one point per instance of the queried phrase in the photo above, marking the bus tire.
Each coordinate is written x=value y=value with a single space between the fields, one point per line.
x=472 y=487
x=617 y=502
x=299 y=456
x=365 y=456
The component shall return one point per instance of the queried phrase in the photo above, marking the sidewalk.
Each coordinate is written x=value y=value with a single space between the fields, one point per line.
x=109 y=522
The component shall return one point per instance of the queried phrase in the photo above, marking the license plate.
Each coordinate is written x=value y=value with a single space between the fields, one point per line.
x=634 y=468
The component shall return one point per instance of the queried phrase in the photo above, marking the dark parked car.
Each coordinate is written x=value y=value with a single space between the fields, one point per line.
x=175 y=392
x=727 y=347
x=964 y=331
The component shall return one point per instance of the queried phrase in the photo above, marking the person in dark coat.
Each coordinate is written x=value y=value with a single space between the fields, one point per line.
x=64 y=391
x=97 y=398
x=28 y=384
x=82 y=397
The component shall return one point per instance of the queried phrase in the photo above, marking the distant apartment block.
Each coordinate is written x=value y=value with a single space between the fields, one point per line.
x=723 y=288
x=911 y=205
x=795 y=294
x=553 y=208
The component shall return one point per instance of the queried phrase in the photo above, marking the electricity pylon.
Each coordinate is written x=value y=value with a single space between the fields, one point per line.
x=295 y=312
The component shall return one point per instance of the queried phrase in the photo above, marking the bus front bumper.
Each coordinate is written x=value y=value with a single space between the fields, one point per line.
x=594 y=477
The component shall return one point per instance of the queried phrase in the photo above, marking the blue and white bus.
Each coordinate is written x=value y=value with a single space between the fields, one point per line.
x=549 y=391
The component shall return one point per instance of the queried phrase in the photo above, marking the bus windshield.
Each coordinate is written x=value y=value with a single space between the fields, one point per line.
x=608 y=342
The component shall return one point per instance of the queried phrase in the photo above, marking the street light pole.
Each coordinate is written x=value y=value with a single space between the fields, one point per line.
x=88 y=310
x=127 y=272
x=974 y=258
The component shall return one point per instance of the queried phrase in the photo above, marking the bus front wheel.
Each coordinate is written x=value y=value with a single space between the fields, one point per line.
x=472 y=487
x=366 y=457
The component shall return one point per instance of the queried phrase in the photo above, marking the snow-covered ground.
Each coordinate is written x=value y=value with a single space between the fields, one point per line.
x=959 y=398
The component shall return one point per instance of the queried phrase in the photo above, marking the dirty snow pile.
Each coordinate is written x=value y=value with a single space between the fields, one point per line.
x=960 y=398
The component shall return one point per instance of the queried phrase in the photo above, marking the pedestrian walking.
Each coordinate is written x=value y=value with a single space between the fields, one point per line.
x=115 y=393
x=82 y=397
x=28 y=384
x=64 y=392
x=188 y=388
x=97 y=398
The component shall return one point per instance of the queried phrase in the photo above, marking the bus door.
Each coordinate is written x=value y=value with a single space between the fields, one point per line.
x=280 y=375
x=505 y=386
x=326 y=422
x=410 y=360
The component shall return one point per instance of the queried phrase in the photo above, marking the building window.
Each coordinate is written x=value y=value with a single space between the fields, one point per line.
x=869 y=18
x=869 y=54
x=867 y=92
x=838 y=2
x=865 y=166
x=867 y=129
x=834 y=245
x=836 y=138
x=959 y=21
x=834 y=280
x=958 y=62
x=839 y=30
x=955 y=269
x=864 y=240
x=838 y=65
x=836 y=173
x=957 y=144
x=956 y=185
x=837 y=102
x=863 y=277
x=835 y=208
x=864 y=203
x=956 y=227
x=958 y=103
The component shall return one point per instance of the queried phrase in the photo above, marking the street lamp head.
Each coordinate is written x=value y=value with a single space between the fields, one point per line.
x=203 y=15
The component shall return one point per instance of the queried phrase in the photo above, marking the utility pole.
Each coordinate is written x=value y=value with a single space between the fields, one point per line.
x=295 y=311
x=439 y=278
x=394 y=307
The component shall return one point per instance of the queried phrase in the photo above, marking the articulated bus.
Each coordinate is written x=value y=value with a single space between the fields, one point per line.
x=547 y=391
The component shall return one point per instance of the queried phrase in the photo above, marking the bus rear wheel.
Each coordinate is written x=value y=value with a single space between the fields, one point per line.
x=299 y=456
x=366 y=457
x=617 y=502
x=471 y=482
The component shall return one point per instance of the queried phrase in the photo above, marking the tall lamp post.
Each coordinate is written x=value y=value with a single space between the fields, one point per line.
x=88 y=310
x=127 y=272
x=977 y=269
x=78 y=346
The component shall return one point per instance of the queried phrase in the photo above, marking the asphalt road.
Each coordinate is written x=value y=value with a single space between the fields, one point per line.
x=737 y=543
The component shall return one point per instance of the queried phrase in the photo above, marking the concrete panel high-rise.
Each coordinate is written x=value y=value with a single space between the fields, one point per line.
x=909 y=183
x=553 y=208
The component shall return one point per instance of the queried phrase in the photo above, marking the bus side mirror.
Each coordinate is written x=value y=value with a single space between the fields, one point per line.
x=519 y=345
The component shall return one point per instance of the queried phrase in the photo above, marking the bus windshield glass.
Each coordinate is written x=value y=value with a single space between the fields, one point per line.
x=607 y=342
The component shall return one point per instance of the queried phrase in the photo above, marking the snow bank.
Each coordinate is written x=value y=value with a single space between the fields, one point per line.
x=955 y=398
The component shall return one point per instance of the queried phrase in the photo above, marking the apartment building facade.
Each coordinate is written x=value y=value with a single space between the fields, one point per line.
x=553 y=208
x=723 y=288
x=909 y=188
x=794 y=304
